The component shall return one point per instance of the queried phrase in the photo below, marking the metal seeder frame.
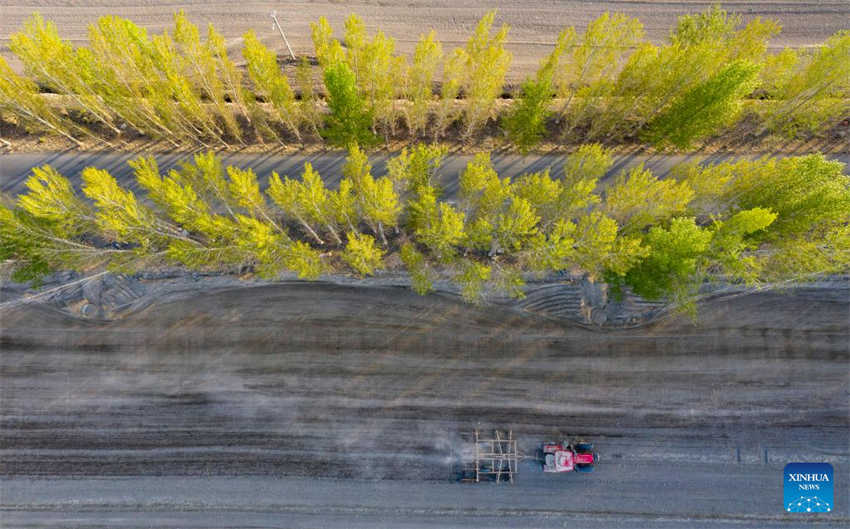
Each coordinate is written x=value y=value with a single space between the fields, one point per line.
x=496 y=457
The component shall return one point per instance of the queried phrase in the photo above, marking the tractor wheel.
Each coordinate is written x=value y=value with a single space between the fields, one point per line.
x=584 y=447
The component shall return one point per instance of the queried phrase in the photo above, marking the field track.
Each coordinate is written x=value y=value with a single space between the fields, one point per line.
x=316 y=405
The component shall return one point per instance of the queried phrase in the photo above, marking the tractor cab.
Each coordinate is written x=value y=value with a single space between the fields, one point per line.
x=559 y=461
x=567 y=457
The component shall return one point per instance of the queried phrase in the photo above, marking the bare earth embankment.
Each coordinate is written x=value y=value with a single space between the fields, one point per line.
x=534 y=24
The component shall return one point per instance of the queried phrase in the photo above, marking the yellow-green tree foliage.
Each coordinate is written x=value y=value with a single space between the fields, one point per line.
x=421 y=276
x=472 y=278
x=33 y=244
x=588 y=68
x=232 y=81
x=328 y=50
x=378 y=72
x=307 y=201
x=748 y=221
x=705 y=108
x=311 y=112
x=19 y=96
x=654 y=78
x=611 y=84
x=375 y=200
x=362 y=254
x=416 y=167
x=55 y=63
x=637 y=198
x=351 y=119
x=526 y=121
x=190 y=109
x=448 y=109
x=481 y=67
x=51 y=197
x=142 y=80
x=198 y=61
x=420 y=91
x=270 y=81
x=438 y=226
x=126 y=78
x=815 y=93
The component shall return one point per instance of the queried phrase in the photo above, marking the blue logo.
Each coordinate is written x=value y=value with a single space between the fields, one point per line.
x=808 y=487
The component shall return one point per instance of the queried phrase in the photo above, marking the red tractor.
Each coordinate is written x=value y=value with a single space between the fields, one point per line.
x=569 y=457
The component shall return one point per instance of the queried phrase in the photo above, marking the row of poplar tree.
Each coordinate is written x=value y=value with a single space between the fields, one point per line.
x=750 y=221
x=606 y=84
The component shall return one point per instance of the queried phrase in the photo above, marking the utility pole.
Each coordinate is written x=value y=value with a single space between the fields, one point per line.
x=282 y=34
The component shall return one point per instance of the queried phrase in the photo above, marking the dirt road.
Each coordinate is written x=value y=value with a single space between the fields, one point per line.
x=305 y=405
x=534 y=24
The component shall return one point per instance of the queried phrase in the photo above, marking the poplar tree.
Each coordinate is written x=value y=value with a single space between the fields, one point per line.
x=375 y=200
x=638 y=78
x=34 y=244
x=244 y=188
x=704 y=109
x=804 y=191
x=777 y=72
x=202 y=238
x=25 y=244
x=377 y=72
x=416 y=167
x=55 y=63
x=485 y=63
x=637 y=199
x=551 y=251
x=355 y=48
x=19 y=96
x=270 y=81
x=343 y=204
x=181 y=203
x=590 y=162
x=137 y=76
x=51 y=197
x=732 y=244
x=327 y=48
x=306 y=201
x=198 y=61
x=439 y=227
x=750 y=220
x=179 y=94
x=361 y=253
x=472 y=278
x=654 y=78
x=807 y=93
x=526 y=121
x=421 y=276
x=426 y=57
x=499 y=220
x=350 y=119
x=310 y=109
x=452 y=80
x=120 y=215
x=119 y=50
x=586 y=70
x=206 y=175
x=231 y=78
x=595 y=237
x=483 y=197
x=671 y=267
